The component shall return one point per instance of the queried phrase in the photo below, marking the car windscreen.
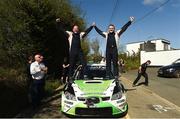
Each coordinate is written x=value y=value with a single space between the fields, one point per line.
x=95 y=72
x=177 y=61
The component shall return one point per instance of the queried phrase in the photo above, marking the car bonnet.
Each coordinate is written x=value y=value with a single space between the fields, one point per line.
x=93 y=87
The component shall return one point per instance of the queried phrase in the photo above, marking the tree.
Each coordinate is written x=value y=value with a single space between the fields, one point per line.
x=86 y=48
x=96 y=56
x=28 y=26
x=121 y=49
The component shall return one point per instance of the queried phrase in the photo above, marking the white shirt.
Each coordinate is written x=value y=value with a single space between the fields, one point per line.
x=35 y=70
x=103 y=62
x=70 y=33
x=117 y=37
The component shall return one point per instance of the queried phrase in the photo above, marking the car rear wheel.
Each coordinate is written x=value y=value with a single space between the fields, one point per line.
x=177 y=74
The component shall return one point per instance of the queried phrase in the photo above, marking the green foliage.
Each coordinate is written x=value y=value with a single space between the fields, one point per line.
x=13 y=91
x=50 y=86
x=95 y=46
x=85 y=47
x=96 y=56
x=28 y=26
x=131 y=62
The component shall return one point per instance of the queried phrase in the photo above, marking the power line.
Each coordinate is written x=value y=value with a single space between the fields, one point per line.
x=113 y=11
x=152 y=11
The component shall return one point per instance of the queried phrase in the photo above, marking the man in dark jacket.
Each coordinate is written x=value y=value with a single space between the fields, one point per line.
x=75 y=50
x=112 y=38
x=142 y=72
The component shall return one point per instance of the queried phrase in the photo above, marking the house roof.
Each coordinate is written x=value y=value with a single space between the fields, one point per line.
x=136 y=42
x=163 y=40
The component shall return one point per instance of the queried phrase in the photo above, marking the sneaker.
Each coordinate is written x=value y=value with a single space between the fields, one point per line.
x=116 y=78
x=133 y=85
x=146 y=84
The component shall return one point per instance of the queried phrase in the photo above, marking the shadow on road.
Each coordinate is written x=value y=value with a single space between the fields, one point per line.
x=50 y=107
x=139 y=84
x=130 y=89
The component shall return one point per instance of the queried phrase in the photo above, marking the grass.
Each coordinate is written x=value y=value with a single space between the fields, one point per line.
x=14 y=91
x=51 y=85
x=131 y=62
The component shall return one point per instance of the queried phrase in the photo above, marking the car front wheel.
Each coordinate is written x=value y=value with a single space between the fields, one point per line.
x=177 y=74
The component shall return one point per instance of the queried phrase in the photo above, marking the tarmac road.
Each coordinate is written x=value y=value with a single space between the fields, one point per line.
x=160 y=99
x=167 y=88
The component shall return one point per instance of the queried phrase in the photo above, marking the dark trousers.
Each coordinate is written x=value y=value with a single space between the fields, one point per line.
x=145 y=75
x=37 y=91
x=73 y=60
x=65 y=74
x=29 y=87
x=112 y=56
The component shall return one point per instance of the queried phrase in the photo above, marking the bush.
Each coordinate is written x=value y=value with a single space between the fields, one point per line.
x=50 y=86
x=131 y=62
x=28 y=27
x=13 y=91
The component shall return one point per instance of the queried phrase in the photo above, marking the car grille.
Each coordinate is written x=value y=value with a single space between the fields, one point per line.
x=93 y=100
x=160 y=71
x=105 y=98
x=106 y=111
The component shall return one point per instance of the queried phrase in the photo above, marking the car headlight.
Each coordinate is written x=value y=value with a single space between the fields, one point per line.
x=171 y=70
x=116 y=96
x=70 y=96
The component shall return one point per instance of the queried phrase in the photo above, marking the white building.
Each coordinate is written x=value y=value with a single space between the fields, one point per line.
x=160 y=58
x=150 y=45
x=156 y=50
x=133 y=48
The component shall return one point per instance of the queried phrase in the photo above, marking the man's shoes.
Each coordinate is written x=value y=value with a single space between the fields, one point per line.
x=116 y=78
x=146 y=84
x=133 y=85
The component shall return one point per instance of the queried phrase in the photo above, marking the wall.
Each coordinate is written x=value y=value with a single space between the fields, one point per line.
x=134 y=46
x=160 y=58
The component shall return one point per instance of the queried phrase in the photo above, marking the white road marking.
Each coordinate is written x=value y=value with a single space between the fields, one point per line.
x=159 y=108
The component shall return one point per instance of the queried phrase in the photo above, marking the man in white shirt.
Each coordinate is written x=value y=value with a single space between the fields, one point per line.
x=38 y=71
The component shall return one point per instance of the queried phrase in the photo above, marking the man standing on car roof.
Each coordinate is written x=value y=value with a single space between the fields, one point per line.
x=112 y=38
x=75 y=50
x=142 y=72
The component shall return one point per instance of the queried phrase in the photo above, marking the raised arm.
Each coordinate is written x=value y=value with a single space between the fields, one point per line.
x=87 y=31
x=99 y=31
x=60 y=28
x=123 y=29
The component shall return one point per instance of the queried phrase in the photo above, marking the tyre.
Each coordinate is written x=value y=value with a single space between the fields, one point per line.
x=177 y=74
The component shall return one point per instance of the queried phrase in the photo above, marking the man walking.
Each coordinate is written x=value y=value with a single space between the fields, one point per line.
x=75 y=50
x=142 y=72
x=112 y=38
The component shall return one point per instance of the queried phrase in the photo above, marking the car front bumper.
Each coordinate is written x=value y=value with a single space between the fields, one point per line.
x=166 y=73
x=103 y=109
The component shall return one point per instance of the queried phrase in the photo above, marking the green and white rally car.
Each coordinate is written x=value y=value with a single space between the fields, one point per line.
x=95 y=95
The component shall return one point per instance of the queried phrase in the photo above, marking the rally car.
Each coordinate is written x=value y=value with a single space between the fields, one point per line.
x=94 y=95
